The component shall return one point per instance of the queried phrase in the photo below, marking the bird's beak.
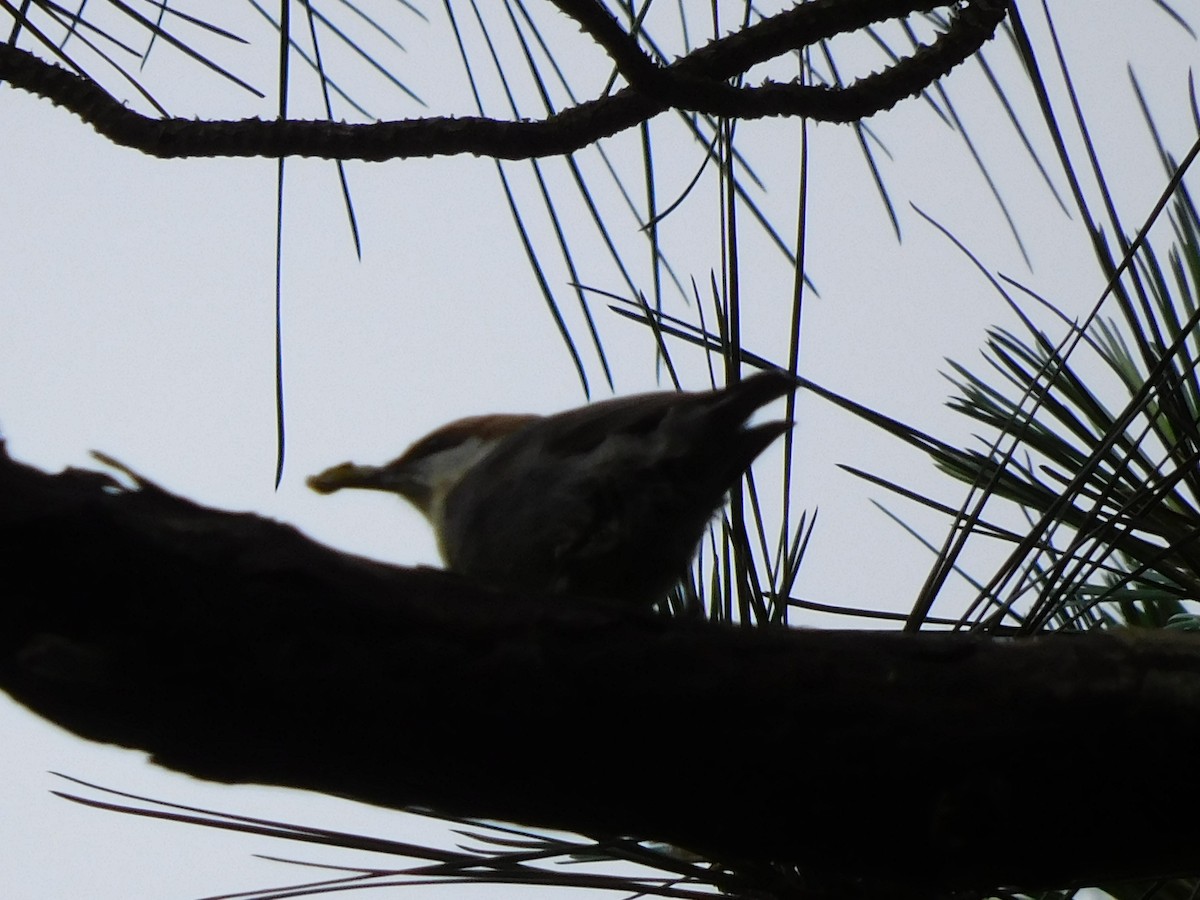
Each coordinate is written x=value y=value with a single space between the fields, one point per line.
x=349 y=475
x=394 y=478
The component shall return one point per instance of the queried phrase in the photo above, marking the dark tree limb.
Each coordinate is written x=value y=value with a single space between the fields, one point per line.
x=698 y=82
x=232 y=648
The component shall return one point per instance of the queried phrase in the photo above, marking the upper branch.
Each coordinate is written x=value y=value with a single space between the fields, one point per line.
x=636 y=66
x=698 y=82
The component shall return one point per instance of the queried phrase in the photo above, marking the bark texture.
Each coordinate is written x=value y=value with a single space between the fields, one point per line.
x=698 y=82
x=232 y=648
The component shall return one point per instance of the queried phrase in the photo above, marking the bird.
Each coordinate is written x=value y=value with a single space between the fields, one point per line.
x=607 y=502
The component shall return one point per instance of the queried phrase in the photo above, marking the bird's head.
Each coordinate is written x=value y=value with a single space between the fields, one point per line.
x=428 y=470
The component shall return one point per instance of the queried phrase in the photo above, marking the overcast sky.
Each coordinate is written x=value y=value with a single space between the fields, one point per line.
x=138 y=320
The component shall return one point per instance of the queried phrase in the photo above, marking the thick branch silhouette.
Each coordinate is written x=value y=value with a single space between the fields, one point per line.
x=698 y=82
x=233 y=648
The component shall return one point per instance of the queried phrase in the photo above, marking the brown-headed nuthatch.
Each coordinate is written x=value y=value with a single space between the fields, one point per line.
x=606 y=501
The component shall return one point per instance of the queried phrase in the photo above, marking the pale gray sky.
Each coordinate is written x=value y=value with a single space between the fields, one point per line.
x=138 y=321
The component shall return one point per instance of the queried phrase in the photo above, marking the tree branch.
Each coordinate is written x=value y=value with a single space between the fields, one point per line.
x=697 y=82
x=234 y=649
x=635 y=66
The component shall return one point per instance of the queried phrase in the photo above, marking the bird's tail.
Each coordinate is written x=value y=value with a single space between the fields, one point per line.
x=740 y=401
